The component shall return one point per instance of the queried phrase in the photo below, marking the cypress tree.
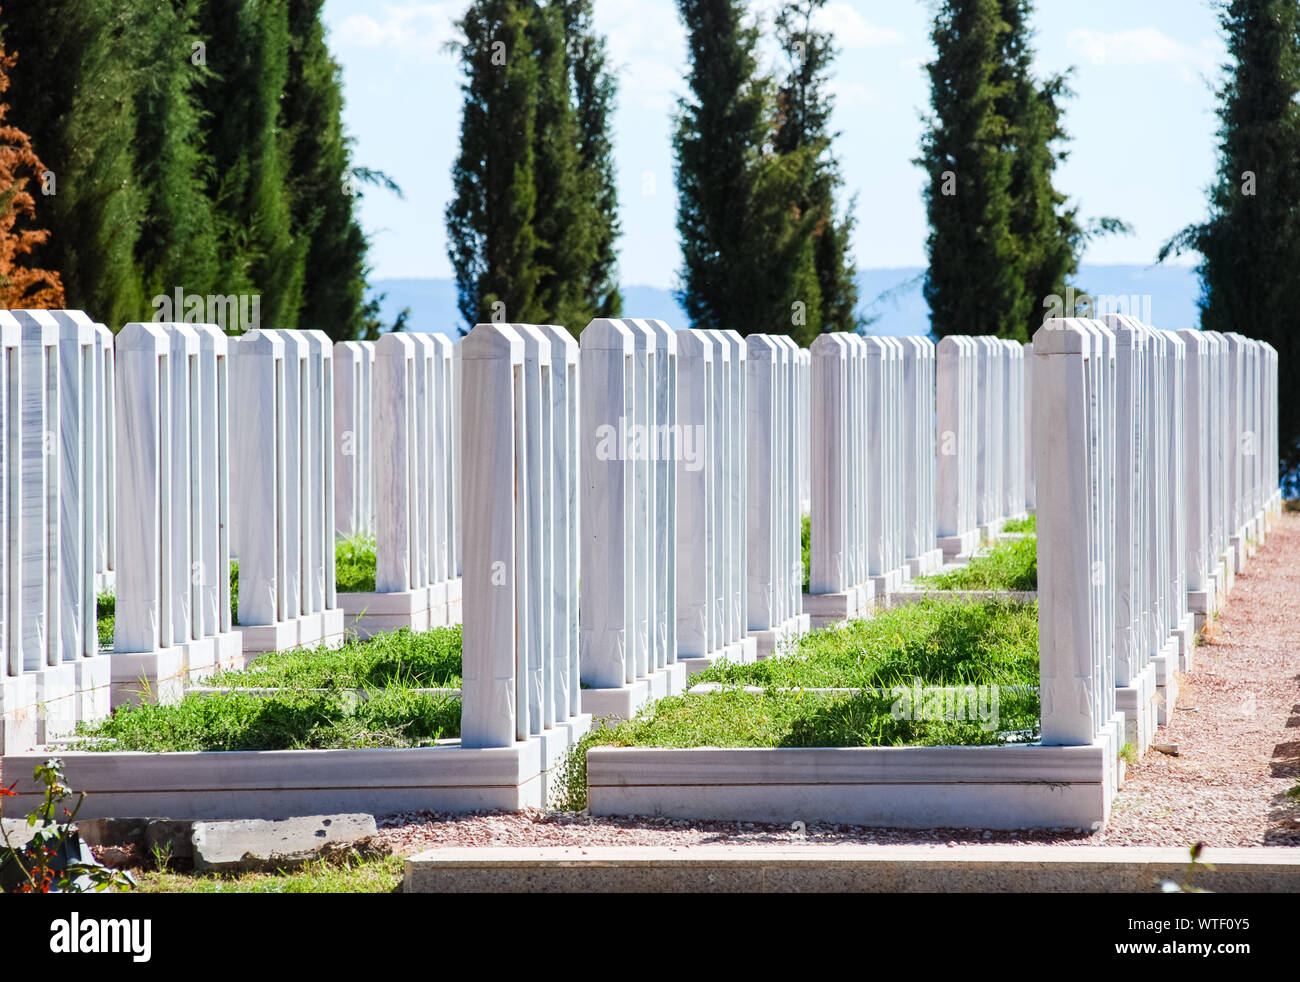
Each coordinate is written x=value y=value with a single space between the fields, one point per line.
x=1250 y=245
x=804 y=110
x=719 y=136
x=247 y=44
x=322 y=183
x=565 y=244
x=21 y=285
x=1048 y=231
x=178 y=244
x=73 y=93
x=975 y=283
x=492 y=237
x=594 y=90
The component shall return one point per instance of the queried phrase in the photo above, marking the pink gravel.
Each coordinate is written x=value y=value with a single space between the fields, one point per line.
x=1237 y=725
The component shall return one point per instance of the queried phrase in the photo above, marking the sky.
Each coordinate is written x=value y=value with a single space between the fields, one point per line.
x=1142 y=120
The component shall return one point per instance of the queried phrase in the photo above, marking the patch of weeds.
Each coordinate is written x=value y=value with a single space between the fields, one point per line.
x=942 y=642
x=380 y=875
x=1010 y=565
x=234 y=592
x=1028 y=524
x=1128 y=753
x=286 y=721
x=1294 y=794
x=421 y=660
x=354 y=564
x=161 y=854
x=733 y=718
x=106 y=619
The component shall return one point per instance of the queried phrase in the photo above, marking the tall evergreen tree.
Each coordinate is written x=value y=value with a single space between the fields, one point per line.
x=247 y=45
x=73 y=93
x=718 y=142
x=803 y=124
x=21 y=285
x=565 y=246
x=1047 y=231
x=322 y=184
x=594 y=91
x=1250 y=246
x=976 y=279
x=178 y=246
x=492 y=237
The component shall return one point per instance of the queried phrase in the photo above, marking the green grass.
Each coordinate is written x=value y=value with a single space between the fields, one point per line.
x=388 y=668
x=360 y=876
x=942 y=642
x=354 y=564
x=805 y=535
x=1029 y=524
x=785 y=719
x=105 y=613
x=1010 y=565
x=426 y=660
x=288 y=721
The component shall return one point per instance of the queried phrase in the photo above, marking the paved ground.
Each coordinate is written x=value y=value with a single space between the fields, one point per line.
x=1237 y=727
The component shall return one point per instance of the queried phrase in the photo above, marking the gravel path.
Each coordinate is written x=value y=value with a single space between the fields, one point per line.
x=1237 y=726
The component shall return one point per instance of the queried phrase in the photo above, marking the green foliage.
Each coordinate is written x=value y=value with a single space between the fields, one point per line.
x=976 y=278
x=320 y=707
x=1128 y=753
x=1002 y=238
x=1026 y=524
x=533 y=219
x=594 y=92
x=248 y=58
x=720 y=131
x=763 y=247
x=322 y=183
x=178 y=245
x=394 y=717
x=354 y=564
x=803 y=129
x=50 y=861
x=106 y=618
x=1009 y=565
x=992 y=642
x=73 y=92
x=425 y=659
x=491 y=219
x=1250 y=245
x=733 y=718
x=377 y=875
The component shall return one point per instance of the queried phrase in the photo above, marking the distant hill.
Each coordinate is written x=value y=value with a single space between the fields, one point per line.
x=1164 y=295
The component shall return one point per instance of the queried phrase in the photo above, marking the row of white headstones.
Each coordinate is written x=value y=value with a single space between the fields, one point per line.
x=692 y=453
x=56 y=512
x=1154 y=458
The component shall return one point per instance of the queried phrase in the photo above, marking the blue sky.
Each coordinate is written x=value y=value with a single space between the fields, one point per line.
x=1142 y=120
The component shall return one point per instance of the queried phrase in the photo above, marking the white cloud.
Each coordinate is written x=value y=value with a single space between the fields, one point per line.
x=851 y=95
x=1144 y=46
x=646 y=47
x=850 y=30
x=419 y=29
